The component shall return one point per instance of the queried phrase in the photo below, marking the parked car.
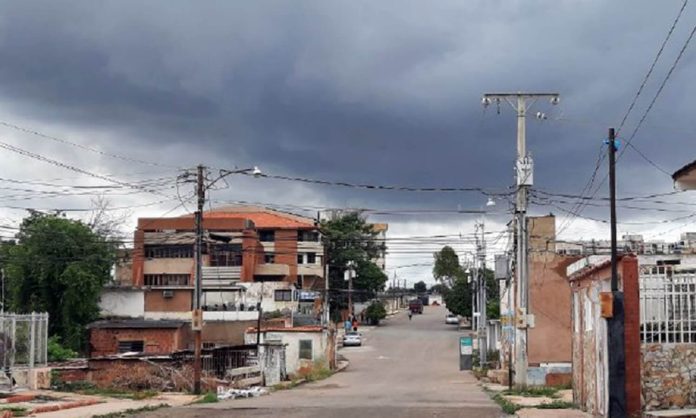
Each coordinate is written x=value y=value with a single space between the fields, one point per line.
x=352 y=338
x=452 y=319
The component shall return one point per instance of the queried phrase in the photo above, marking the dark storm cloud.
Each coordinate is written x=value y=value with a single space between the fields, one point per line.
x=381 y=92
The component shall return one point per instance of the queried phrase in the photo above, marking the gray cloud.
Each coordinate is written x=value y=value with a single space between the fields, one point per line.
x=375 y=92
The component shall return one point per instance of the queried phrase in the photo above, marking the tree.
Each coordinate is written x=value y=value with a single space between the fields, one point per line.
x=439 y=288
x=446 y=268
x=349 y=238
x=458 y=298
x=375 y=312
x=420 y=287
x=59 y=266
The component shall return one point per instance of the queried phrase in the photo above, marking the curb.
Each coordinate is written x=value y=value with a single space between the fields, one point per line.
x=341 y=368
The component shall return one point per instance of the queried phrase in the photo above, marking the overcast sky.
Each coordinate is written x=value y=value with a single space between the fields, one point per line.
x=375 y=92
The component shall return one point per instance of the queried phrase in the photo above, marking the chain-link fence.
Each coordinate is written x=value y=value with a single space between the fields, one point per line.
x=23 y=340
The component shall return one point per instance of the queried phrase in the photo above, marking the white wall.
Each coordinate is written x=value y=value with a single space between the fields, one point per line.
x=291 y=340
x=265 y=291
x=122 y=302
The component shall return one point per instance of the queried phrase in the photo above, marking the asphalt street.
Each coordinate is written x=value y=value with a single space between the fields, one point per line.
x=404 y=369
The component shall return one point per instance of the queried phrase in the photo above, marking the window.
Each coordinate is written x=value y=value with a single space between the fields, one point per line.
x=307 y=236
x=131 y=346
x=269 y=258
x=226 y=255
x=267 y=235
x=167 y=279
x=308 y=258
x=306 y=349
x=283 y=295
x=169 y=251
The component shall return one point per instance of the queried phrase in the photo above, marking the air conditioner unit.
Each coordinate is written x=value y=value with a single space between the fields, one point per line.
x=167 y=294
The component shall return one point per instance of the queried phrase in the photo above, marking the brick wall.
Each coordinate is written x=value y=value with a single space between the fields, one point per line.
x=629 y=280
x=286 y=251
x=104 y=341
x=156 y=302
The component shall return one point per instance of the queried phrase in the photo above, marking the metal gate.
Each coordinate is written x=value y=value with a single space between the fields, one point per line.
x=667 y=305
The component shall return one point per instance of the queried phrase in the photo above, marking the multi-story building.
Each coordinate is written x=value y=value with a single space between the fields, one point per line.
x=251 y=256
x=381 y=238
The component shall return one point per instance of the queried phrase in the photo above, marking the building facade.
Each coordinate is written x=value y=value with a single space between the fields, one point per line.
x=252 y=256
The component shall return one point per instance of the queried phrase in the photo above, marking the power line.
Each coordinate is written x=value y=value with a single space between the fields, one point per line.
x=73 y=168
x=380 y=187
x=652 y=66
x=83 y=147
x=659 y=90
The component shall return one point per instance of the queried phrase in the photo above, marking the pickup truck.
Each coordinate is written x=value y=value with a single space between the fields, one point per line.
x=416 y=306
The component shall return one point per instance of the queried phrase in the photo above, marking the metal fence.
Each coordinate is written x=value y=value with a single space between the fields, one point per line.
x=219 y=360
x=23 y=340
x=667 y=305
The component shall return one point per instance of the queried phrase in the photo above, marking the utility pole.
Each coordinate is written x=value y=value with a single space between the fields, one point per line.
x=482 y=329
x=197 y=319
x=616 y=354
x=525 y=179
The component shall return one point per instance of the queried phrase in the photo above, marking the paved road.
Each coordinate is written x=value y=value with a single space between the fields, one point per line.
x=404 y=369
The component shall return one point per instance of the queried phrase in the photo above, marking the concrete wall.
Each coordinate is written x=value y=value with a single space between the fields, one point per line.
x=266 y=293
x=549 y=297
x=122 y=302
x=169 y=265
x=291 y=339
x=669 y=376
x=226 y=332
x=590 y=338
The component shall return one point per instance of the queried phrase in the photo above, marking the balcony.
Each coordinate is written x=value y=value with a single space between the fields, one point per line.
x=310 y=270
x=220 y=275
x=272 y=270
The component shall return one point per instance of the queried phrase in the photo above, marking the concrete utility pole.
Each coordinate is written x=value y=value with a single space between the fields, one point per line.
x=197 y=319
x=525 y=179
x=482 y=297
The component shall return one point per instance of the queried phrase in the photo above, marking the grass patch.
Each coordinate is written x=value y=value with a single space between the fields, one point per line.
x=508 y=407
x=479 y=372
x=557 y=404
x=209 y=397
x=318 y=370
x=533 y=392
x=17 y=411
x=129 y=412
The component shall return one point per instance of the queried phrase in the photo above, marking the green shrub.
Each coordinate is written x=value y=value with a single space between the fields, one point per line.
x=57 y=352
x=507 y=406
x=533 y=391
x=557 y=404
x=375 y=312
x=209 y=397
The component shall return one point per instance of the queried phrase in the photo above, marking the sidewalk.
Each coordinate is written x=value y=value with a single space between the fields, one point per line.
x=551 y=413
x=60 y=405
